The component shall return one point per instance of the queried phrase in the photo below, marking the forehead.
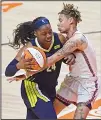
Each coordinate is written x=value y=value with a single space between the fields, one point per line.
x=45 y=27
x=62 y=17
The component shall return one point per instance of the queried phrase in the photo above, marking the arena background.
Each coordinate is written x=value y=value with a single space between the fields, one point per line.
x=16 y=12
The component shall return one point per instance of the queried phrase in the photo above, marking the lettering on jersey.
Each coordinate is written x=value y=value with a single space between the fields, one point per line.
x=56 y=47
x=51 y=68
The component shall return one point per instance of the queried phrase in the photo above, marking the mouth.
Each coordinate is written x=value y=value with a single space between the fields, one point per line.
x=59 y=28
x=49 y=40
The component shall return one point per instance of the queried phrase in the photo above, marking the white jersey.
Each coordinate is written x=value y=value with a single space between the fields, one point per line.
x=82 y=83
x=85 y=65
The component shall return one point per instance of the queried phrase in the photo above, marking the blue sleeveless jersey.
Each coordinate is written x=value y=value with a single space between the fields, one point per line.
x=47 y=79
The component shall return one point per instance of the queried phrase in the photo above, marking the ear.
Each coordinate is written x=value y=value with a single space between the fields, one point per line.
x=35 y=33
x=71 y=20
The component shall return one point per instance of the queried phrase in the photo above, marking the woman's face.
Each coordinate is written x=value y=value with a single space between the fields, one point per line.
x=64 y=23
x=44 y=34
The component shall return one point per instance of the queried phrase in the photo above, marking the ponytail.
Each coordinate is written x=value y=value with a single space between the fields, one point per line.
x=22 y=34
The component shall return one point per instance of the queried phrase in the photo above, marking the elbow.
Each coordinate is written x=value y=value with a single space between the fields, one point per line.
x=7 y=75
x=8 y=72
x=83 y=47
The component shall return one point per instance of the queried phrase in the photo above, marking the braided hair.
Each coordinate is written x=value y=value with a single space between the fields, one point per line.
x=70 y=11
x=23 y=33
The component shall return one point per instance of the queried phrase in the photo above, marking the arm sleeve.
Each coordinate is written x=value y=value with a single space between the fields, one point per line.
x=11 y=69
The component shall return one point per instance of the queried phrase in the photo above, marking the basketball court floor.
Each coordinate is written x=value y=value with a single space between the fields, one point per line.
x=14 y=13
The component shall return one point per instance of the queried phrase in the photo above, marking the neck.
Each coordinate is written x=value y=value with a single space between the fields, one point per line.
x=71 y=31
x=45 y=45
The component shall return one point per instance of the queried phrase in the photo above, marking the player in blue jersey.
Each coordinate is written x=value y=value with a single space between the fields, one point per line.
x=38 y=92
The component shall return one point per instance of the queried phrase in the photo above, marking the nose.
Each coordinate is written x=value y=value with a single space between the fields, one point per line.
x=58 y=24
x=49 y=36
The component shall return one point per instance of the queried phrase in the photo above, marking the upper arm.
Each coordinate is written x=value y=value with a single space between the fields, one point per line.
x=82 y=43
x=62 y=38
x=77 y=42
x=19 y=54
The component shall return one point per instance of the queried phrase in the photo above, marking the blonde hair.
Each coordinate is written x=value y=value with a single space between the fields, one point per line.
x=70 y=11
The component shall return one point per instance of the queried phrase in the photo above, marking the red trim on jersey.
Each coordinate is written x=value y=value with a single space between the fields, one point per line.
x=87 y=61
x=64 y=100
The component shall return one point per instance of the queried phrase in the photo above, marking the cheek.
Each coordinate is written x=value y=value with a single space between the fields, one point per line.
x=43 y=38
x=63 y=24
x=66 y=25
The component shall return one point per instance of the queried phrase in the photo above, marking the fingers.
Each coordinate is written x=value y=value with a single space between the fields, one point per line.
x=29 y=60
x=26 y=63
x=71 y=62
x=29 y=66
x=11 y=79
x=68 y=61
x=17 y=78
x=66 y=58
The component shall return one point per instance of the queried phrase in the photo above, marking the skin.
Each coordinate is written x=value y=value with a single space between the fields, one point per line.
x=44 y=37
x=75 y=42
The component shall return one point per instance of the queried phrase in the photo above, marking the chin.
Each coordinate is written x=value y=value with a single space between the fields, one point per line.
x=61 y=31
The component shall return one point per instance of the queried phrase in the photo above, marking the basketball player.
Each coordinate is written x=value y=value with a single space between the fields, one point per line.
x=81 y=85
x=38 y=91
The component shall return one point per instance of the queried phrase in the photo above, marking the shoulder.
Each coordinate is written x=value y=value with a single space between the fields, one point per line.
x=79 y=36
x=80 y=40
x=61 y=38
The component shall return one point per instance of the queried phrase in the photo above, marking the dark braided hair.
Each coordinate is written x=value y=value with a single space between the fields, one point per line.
x=23 y=33
x=70 y=11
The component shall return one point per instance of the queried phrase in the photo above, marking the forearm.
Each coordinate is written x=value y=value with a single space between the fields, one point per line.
x=66 y=50
x=11 y=69
x=53 y=59
x=69 y=47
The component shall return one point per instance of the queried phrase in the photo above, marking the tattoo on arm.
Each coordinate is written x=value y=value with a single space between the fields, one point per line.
x=72 y=45
x=69 y=47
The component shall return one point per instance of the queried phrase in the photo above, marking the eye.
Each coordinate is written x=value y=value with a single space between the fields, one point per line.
x=60 y=20
x=50 y=32
x=43 y=33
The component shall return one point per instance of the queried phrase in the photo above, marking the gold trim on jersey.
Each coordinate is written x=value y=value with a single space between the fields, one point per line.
x=36 y=41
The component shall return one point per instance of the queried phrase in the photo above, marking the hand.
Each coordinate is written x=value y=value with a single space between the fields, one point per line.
x=25 y=64
x=16 y=78
x=70 y=59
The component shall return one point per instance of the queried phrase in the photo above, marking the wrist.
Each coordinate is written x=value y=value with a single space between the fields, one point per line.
x=11 y=69
x=17 y=66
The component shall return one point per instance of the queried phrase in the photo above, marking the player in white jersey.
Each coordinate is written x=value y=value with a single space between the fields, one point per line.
x=80 y=86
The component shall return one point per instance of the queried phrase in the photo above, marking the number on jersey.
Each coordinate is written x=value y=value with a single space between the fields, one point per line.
x=51 y=68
